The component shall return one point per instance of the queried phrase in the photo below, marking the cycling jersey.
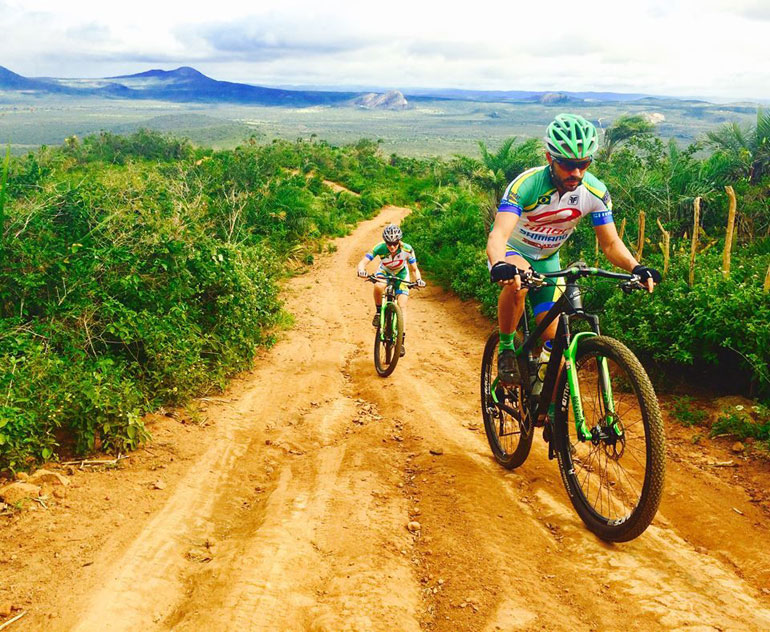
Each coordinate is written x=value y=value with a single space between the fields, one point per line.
x=546 y=220
x=392 y=263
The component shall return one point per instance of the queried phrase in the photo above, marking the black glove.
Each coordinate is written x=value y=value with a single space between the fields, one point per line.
x=644 y=273
x=503 y=271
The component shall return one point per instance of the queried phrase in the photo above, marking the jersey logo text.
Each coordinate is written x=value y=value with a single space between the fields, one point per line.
x=555 y=217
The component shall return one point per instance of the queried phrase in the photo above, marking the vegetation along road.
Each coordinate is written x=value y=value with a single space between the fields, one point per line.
x=313 y=495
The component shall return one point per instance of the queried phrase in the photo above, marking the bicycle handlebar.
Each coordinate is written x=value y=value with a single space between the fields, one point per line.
x=538 y=279
x=580 y=271
x=390 y=279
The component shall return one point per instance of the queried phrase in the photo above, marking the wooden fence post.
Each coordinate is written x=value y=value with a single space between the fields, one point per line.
x=729 y=233
x=767 y=281
x=694 y=246
x=622 y=228
x=665 y=246
x=640 y=246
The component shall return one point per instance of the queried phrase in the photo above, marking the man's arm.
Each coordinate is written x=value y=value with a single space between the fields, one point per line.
x=497 y=242
x=614 y=248
x=616 y=251
x=497 y=245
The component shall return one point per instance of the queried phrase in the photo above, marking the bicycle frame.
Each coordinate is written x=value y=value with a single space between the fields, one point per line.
x=569 y=305
x=393 y=282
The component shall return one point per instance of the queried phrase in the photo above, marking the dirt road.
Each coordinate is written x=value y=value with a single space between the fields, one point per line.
x=286 y=505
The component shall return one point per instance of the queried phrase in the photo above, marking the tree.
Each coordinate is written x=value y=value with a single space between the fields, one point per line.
x=504 y=165
x=623 y=129
x=749 y=146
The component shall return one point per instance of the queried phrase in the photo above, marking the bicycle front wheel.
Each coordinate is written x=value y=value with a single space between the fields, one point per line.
x=615 y=479
x=506 y=420
x=388 y=341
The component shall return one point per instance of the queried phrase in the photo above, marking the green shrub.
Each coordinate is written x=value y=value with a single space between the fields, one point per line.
x=718 y=322
x=687 y=415
x=744 y=424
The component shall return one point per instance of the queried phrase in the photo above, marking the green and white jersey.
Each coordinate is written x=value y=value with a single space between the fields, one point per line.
x=392 y=263
x=546 y=220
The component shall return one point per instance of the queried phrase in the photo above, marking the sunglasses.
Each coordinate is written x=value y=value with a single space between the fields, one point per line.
x=571 y=165
x=393 y=243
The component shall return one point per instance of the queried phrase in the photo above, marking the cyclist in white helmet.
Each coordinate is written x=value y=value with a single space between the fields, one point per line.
x=397 y=258
x=538 y=213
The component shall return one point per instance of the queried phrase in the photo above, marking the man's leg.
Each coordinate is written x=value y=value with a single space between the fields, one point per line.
x=550 y=334
x=510 y=307
x=543 y=300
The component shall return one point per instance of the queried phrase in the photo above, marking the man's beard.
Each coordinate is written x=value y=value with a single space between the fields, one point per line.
x=569 y=184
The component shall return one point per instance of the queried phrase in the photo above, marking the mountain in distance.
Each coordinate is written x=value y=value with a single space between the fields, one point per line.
x=13 y=82
x=188 y=85
x=10 y=81
x=184 y=84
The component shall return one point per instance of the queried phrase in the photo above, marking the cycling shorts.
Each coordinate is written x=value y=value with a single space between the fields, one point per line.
x=542 y=299
x=402 y=274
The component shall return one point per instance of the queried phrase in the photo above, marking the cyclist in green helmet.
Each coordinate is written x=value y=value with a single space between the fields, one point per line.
x=539 y=211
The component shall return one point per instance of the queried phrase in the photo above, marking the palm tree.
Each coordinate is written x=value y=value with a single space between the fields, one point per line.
x=749 y=146
x=623 y=129
x=506 y=163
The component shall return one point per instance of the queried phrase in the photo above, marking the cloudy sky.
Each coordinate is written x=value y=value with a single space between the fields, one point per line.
x=711 y=48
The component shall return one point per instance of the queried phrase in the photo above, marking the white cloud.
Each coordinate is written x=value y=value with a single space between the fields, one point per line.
x=677 y=47
x=91 y=32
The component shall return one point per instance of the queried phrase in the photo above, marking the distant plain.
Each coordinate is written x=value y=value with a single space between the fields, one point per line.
x=430 y=127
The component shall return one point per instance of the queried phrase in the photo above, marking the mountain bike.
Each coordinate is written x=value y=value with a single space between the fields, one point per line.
x=390 y=332
x=606 y=431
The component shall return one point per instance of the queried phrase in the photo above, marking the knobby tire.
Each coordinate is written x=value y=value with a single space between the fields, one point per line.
x=387 y=348
x=614 y=485
x=509 y=437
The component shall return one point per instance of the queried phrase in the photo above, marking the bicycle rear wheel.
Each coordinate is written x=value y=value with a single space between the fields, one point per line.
x=388 y=341
x=506 y=419
x=615 y=480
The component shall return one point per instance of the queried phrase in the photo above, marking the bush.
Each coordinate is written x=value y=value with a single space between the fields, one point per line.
x=745 y=424
x=718 y=323
x=684 y=412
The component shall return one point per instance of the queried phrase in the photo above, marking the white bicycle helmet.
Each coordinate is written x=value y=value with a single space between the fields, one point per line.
x=392 y=234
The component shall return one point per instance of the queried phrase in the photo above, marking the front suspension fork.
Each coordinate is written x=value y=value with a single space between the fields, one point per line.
x=584 y=433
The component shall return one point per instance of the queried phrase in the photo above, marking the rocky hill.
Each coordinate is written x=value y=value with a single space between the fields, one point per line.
x=391 y=100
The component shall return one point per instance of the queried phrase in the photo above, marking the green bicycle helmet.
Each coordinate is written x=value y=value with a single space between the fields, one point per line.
x=571 y=136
